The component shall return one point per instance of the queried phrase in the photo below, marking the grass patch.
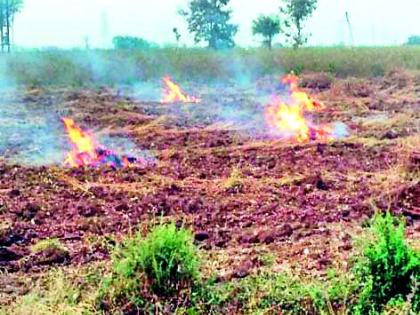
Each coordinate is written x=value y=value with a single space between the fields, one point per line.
x=270 y=293
x=160 y=273
x=163 y=264
x=59 y=292
x=47 y=245
x=235 y=182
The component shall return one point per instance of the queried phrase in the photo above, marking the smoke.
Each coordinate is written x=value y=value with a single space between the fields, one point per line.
x=340 y=130
x=32 y=132
x=36 y=137
x=29 y=135
x=122 y=146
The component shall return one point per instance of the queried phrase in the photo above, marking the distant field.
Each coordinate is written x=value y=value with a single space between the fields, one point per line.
x=81 y=68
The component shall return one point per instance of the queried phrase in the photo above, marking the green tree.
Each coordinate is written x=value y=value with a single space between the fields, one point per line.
x=130 y=42
x=209 y=20
x=413 y=40
x=268 y=27
x=8 y=11
x=297 y=12
x=177 y=35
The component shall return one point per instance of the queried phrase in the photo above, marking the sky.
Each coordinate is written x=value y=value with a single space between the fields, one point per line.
x=66 y=24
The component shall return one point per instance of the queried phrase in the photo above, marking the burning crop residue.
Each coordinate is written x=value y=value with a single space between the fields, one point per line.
x=173 y=93
x=288 y=116
x=86 y=152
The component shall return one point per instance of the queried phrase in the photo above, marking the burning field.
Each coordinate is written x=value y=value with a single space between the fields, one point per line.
x=286 y=168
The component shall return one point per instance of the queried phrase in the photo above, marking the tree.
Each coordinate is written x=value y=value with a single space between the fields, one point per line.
x=268 y=27
x=8 y=11
x=177 y=35
x=209 y=20
x=413 y=40
x=130 y=42
x=297 y=12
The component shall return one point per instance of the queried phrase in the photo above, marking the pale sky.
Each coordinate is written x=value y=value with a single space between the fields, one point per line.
x=63 y=23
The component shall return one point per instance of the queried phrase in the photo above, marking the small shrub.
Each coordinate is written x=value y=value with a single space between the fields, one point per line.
x=168 y=258
x=164 y=263
x=235 y=181
x=48 y=245
x=389 y=269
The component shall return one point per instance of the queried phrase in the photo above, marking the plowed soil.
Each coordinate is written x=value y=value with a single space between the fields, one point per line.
x=302 y=202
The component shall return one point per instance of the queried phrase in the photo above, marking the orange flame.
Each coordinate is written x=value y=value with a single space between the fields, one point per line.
x=83 y=152
x=173 y=93
x=288 y=117
x=86 y=152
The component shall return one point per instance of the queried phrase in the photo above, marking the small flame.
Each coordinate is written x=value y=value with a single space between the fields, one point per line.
x=83 y=152
x=86 y=152
x=173 y=93
x=288 y=117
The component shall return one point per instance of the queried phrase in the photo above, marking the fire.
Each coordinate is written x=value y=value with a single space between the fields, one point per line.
x=173 y=93
x=287 y=116
x=86 y=152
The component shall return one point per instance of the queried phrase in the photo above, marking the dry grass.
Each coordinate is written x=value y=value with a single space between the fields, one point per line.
x=59 y=292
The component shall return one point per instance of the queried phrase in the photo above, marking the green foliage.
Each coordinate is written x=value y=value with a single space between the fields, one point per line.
x=168 y=257
x=268 y=27
x=390 y=270
x=13 y=6
x=209 y=20
x=48 y=244
x=8 y=10
x=413 y=40
x=176 y=34
x=235 y=181
x=130 y=42
x=114 y=67
x=297 y=12
x=164 y=263
x=268 y=292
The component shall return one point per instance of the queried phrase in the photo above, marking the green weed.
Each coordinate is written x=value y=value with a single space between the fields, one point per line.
x=164 y=264
x=389 y=270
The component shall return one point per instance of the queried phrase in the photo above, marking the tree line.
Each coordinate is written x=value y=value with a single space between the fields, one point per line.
x=209 y=21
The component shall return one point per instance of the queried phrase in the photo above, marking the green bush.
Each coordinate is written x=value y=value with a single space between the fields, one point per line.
x=130 y=42
x=389 y=270
x=169 y=258
x=164 y=263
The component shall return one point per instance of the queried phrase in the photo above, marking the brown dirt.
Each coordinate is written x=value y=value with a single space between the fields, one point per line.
x=303 y=202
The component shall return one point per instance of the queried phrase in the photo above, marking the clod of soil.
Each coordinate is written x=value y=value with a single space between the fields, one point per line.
x=7 y=255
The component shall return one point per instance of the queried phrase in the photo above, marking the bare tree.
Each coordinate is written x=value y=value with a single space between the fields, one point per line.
x=8 y=11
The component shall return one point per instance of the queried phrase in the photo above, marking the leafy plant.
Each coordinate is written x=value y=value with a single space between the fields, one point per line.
x=413 y=40
x=209 y=21
x=268 y=27
x=48 y=244
x=297 y=12
x=235 y=181
x=130 y=42
x=163 y=263
x=389 y=270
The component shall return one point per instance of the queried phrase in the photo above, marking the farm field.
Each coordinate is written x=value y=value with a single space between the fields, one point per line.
x=256 y=203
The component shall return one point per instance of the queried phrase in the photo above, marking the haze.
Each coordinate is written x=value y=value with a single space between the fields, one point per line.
x=62 y=23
